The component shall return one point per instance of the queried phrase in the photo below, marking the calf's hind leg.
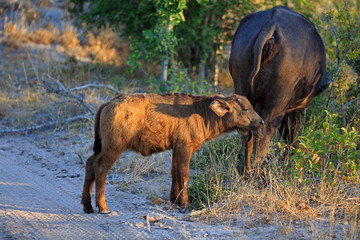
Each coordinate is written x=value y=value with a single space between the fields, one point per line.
x=88 y=185
x=102 y=166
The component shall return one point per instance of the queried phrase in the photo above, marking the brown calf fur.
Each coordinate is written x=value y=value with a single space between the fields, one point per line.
x=149 y=123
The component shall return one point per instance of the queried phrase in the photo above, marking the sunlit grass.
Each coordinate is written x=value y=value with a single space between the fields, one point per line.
x=225 y=195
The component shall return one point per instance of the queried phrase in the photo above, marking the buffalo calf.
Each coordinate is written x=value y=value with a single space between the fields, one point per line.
x=149 y=123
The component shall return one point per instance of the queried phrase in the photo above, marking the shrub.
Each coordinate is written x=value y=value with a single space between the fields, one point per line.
x=330 y=153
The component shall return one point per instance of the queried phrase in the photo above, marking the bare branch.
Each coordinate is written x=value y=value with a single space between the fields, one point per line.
x=65 y=92
x=354 y=100
x=347 y=13
x=57 y=82
x=336 y=75
x=343 y=114
x=332 y=26
x=93 y=85
x=142 y=69
x=138 y=57
x=71 y=96
x=28 y=130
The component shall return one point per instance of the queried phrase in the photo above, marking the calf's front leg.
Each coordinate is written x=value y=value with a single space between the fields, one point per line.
x=248 y=142
x=180 y=173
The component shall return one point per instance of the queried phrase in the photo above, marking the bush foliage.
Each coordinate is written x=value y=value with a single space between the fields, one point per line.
x=330 y=153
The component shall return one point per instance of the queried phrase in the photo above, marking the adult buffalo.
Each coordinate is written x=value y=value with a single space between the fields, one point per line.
x=278 y=62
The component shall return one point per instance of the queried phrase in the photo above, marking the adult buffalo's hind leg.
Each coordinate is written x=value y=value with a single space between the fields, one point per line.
x=263 y=140
x=88 y=185
x=102 y=166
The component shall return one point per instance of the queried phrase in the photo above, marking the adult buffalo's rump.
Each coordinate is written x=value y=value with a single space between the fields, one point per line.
x=278 y=62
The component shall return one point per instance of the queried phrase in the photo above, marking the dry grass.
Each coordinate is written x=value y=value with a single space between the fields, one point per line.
x=285 y=205
x=132 y=170
x=15 y=34
x=69 y=37
x=106 y=46
x=45 y=35
x=136 y=167
x=103 y=46
x=228 y=197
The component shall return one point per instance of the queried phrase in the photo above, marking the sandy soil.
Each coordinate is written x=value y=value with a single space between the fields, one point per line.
x=41 y=179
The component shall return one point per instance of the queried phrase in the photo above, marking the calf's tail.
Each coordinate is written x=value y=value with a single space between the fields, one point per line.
x=97 y=141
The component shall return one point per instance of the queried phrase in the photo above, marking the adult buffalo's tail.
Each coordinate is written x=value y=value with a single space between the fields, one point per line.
x=97 y=141
x=324 y=84
x=264 y=50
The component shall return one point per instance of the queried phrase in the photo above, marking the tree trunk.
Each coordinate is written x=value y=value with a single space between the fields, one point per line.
x=202 y=72
x=216 y=73
x=164 y=70
x=218 y=53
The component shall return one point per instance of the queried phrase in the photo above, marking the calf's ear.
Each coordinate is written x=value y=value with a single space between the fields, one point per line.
x=220 y=107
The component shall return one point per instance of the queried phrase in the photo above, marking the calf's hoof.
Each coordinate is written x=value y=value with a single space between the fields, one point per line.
x=88 y=209
x=107 y=211
x=184 y=210
x=183 y=205
x=103 y=210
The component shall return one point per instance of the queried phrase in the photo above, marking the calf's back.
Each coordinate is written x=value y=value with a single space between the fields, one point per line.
x=149 y=123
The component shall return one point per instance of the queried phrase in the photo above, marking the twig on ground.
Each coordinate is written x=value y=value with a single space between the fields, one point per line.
x=62 y=90
x=55 y=87
x=147 y=222
x=27 y=130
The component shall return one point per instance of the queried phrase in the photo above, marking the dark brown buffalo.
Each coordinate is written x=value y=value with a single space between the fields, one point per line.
x=149 y=123
x=278 y=62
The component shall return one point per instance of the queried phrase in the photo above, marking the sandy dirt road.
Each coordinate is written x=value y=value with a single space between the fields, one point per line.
x=36 y=205
x=40 y=189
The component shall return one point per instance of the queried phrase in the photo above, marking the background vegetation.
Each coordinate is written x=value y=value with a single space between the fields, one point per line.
x=57 y=72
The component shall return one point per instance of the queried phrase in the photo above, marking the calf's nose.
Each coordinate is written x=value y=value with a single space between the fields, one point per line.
x=261 y=122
